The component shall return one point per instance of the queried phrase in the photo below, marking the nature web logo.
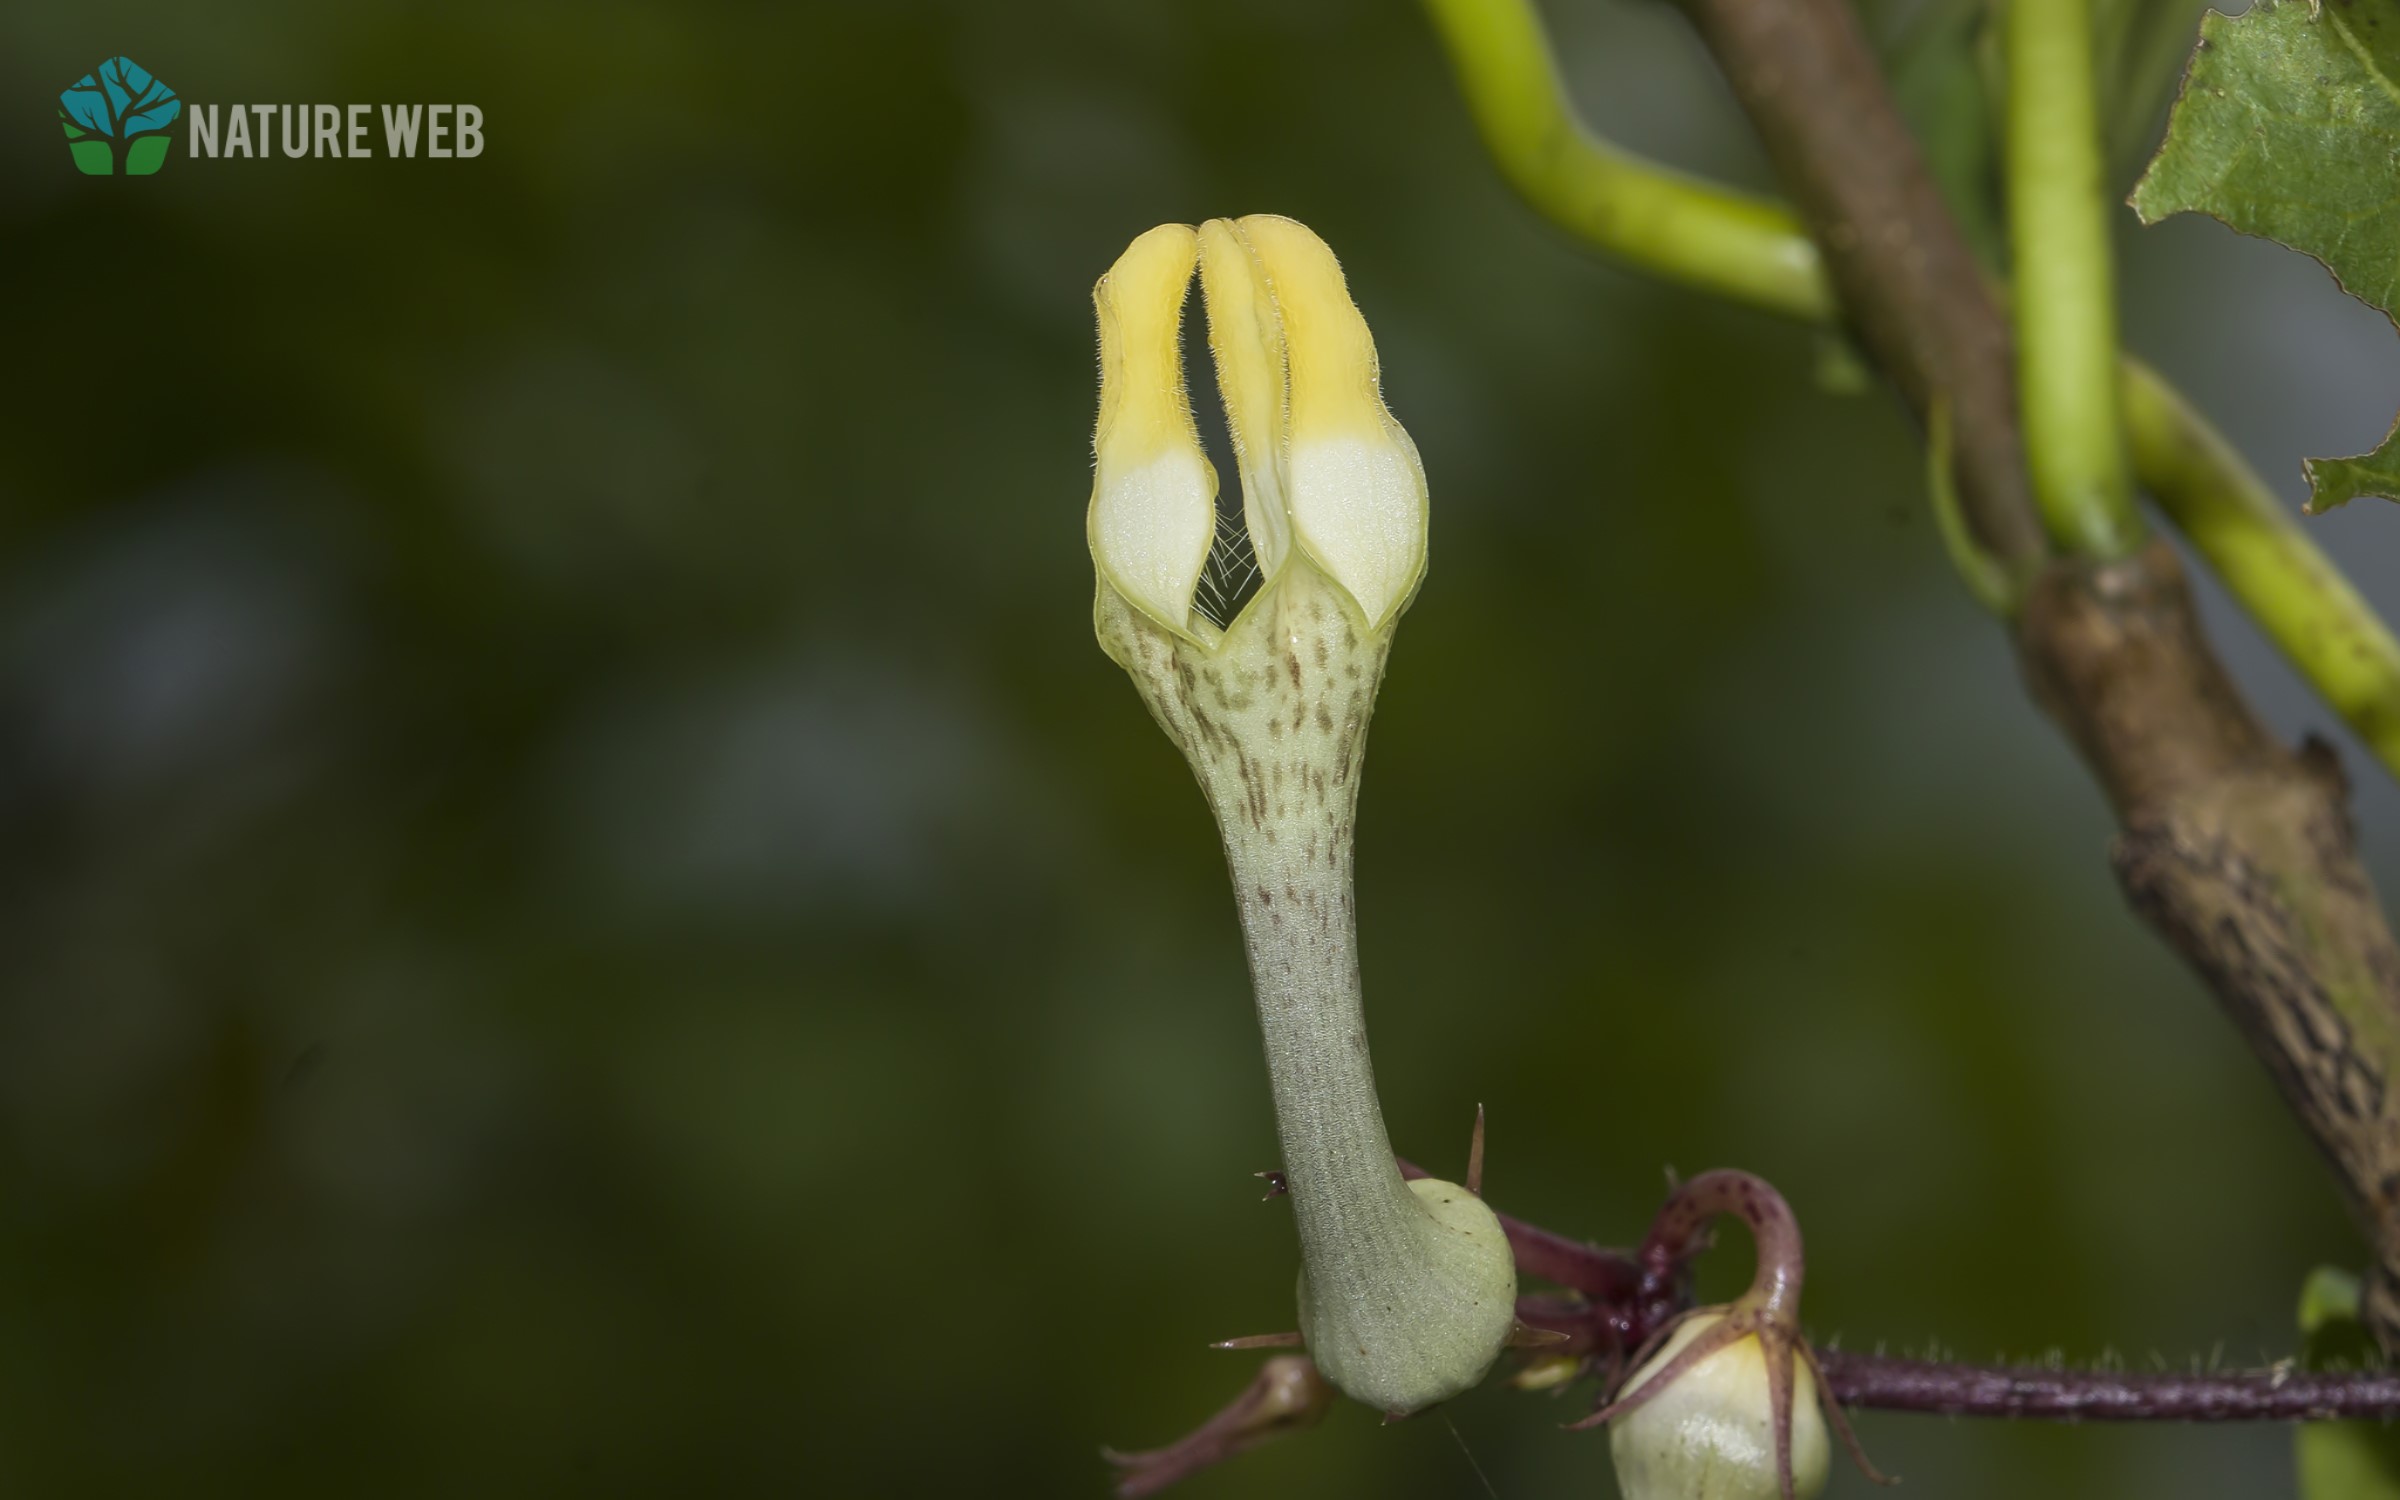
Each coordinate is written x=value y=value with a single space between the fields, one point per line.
x=116 y=120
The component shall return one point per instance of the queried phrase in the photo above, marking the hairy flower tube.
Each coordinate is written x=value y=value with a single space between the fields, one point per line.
x=1406 y=1288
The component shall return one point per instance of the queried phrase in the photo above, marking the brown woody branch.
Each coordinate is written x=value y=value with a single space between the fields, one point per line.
x=2236 y=848
x=1911 y=291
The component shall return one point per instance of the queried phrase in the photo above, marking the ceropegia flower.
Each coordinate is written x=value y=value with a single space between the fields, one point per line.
x=1406 y=1288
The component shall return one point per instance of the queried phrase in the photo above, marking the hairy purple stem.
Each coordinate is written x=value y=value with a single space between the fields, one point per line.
x=2279 y=1394
x=1679 y=1233
x=1615 y=1303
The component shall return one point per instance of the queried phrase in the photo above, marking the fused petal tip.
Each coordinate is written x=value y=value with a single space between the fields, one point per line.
x=1325 y=470
x=1354 y=486
x=1153 y=511
x=1246 y=336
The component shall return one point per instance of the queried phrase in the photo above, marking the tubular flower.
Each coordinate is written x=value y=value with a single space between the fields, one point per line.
x=1406 y=1288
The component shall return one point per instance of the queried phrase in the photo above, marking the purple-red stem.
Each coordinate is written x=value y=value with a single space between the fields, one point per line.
x=1620 y=1304
x=1679 y=1233
x=2280 y=1394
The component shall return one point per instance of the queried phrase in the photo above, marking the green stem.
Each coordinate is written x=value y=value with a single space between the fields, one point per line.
x=2272 y=567
x=1730 y=244
x=1989 y=579
x=2066 y=304
x=2266 y=558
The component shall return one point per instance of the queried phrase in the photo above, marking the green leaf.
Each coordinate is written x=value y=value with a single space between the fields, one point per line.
x=2289 y=128
x=2329 y=1316
x=2138 y=49
x=2338 y=481
x=2341 y=1460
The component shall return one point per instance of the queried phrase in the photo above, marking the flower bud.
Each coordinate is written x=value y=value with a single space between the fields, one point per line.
x=1710 y=1434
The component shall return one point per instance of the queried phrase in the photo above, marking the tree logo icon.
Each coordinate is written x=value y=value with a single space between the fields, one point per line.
x=116 y=120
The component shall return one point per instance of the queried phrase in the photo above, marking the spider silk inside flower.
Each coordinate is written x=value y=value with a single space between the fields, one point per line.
x=1328 y=477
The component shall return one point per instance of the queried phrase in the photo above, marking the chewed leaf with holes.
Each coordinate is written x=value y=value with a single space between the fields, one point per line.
x=2337 y=481
x=2289 y=128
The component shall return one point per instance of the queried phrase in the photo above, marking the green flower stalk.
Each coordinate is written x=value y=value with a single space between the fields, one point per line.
x=1407 y=1289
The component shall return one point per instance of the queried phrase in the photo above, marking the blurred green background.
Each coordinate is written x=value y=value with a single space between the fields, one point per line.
x=581 y=915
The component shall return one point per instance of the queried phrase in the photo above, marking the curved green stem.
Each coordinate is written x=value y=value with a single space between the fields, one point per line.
x=2066 y=303
x=1731 y=244
x=1986 y=577
x=2273 y=568
x=2266 y=558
